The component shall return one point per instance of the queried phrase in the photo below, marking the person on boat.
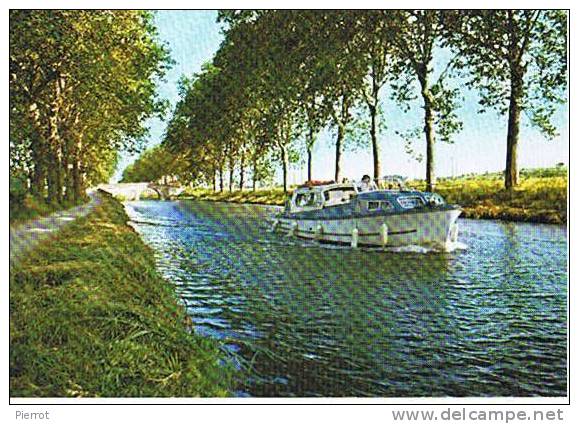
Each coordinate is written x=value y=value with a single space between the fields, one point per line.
x=367 y=184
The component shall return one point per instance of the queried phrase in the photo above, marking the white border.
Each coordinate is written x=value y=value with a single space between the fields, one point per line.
x=94 y=410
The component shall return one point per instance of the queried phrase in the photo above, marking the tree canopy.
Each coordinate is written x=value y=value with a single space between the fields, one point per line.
x=281 y=77
x=517 y=59
x=82 y=85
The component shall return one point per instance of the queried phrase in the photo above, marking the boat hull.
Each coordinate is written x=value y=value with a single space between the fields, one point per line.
x=426 y=228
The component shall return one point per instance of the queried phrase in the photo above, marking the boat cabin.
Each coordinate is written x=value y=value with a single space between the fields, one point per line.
x=353 y=200
x=308 y=198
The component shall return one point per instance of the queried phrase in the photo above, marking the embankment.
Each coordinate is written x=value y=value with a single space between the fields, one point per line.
x=90 y=316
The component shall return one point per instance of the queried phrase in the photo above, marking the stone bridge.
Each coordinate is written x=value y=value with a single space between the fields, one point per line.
x=134 y=191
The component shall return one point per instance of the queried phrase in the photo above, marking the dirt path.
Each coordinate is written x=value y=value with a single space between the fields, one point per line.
x=26 y=236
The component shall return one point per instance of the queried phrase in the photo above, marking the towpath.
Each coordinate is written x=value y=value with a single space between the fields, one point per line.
x=26 y=236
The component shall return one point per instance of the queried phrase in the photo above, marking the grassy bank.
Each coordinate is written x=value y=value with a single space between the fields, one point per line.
x=90 y=316
x=541 y=196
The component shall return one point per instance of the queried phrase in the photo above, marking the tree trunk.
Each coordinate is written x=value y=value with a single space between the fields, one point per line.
x=231 y=173
x=310 y=147
x=214 y=182
x=341 y=122
x=38 y=180
x=52 y=180
x=221 y=178
x=39 y=153
x=428 y=132
x=39 y=175
x=284 y=160
x=77 y=180
x=242 y=170
x=58 y=176
x=54 y=143
x=309 y=164
x=339 y=152
x=69 y=189
x=374 y=138
x=512 y=169
x=254 y=174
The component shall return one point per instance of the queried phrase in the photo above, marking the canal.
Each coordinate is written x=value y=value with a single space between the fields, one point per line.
x=302 y=319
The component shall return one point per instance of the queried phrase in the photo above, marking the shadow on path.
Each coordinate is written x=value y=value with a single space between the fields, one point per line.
x=26 y=236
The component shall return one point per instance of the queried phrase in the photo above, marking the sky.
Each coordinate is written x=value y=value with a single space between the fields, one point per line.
x=193 y=37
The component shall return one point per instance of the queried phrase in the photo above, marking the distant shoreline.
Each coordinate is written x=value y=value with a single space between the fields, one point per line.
x=538 y=199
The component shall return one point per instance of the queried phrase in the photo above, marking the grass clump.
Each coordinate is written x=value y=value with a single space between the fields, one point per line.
x=90 y=316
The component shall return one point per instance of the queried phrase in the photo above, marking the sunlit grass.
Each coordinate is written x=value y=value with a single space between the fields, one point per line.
x=536 y=199
x=540 y=197
x=90 y=316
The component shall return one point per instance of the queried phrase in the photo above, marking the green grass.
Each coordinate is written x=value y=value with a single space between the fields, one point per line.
x=91 y=317
x=270 y=196
x=536 y=199
x=540 y=197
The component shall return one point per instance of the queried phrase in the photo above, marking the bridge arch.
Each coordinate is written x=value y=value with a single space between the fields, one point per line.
x=134 y=191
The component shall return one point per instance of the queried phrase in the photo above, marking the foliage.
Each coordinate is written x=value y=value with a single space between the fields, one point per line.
x=82 y=84
x=152 y=165
x=280 y=77
x=91 y=317
x=418 y=33
x=517 y=59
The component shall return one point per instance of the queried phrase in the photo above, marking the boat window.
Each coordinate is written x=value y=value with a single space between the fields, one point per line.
x=410 y=202
x=436 y=199
x=305 y=200
x=383 y=205
x=339 y=195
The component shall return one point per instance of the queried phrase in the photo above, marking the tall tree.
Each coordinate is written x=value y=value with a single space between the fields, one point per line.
x=376 y=50
x=82 y=85
x=518 y=63
x=341 y=71
x=416 y=36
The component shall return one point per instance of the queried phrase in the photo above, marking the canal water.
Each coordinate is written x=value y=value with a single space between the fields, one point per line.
x=302 y=319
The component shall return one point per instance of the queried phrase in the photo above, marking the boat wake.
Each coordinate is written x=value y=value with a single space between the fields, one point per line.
x=413 y=248
x=457 y=245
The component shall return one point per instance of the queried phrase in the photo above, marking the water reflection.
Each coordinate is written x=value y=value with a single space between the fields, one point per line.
x=302 y=319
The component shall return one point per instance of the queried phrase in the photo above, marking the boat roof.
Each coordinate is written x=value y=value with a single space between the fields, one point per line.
x=383 y=194
x=325 y=186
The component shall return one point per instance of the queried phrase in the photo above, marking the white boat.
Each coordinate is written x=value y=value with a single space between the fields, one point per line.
x=343 y=213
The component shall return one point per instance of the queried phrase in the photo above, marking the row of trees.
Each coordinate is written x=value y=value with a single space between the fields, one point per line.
x=280 y=77
x=82 y=84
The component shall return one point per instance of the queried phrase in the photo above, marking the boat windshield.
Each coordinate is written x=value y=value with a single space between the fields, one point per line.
x=338 y=195
x=392 y=183
x=306 y=199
